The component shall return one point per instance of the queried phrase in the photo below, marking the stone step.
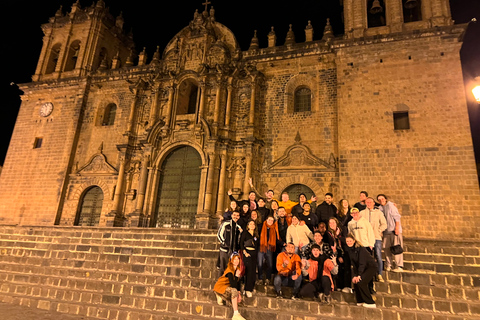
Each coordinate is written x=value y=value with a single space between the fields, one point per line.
x=103 y=292
x=110 y=233
x=441 y=258
x=467 y=248
x=432 y=279
x=473 y=270
x=97 y=253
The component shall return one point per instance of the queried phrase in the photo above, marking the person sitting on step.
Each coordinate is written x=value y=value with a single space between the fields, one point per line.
x=227 y=287
x=319 y=269
x=289 y=268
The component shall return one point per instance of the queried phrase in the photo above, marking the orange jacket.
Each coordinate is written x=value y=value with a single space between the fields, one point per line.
x=287 y=266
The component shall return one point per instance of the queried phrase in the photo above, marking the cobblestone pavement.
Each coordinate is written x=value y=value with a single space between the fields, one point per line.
x=16 y=312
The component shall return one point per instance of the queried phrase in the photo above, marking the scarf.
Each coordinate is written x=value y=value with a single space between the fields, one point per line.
x=313 y=271
x=269 y=244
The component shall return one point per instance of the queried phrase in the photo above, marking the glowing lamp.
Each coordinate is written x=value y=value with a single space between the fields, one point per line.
x=476 y=93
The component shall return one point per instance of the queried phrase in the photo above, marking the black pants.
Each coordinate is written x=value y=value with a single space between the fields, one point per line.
x=344 y=277
x=362 y=289
x=310 y=289
x=250 y=270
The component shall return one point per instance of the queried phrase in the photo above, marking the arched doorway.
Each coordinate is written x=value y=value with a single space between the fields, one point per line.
x=90 y=207
x=294 y=191
x=178 y=189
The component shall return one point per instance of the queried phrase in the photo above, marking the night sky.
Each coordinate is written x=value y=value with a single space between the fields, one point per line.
x=154 y=23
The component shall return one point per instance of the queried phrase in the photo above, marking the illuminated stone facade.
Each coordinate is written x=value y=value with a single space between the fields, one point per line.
x=380 y=109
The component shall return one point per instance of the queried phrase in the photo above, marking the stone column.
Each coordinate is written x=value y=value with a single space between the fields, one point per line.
x=142 y=185
x=221 y=184
x=201 y=107
x=229 y=104
x=207 y=206
x=251 y=118
x=168 y=115
x=154 y=108
x=202 y=219
x=394 y=15
x=118 y=196
x=248 y=173
x=216 y=113
x=131 y=116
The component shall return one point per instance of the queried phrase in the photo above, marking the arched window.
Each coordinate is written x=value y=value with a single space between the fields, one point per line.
x=102 y=56
x=303 y=100
x=109 y=115
x=187 y=97
x=376 y=13
x=72 y=56
x=90 y=207
x=53 y=58
x=412 y=10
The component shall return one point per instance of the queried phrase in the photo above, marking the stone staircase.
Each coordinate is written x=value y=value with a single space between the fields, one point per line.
x=127 y=274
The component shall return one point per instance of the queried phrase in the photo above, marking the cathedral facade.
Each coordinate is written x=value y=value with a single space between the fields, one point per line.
x=107 y=137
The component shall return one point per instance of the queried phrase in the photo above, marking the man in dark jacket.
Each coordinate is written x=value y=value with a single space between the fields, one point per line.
x=326 y=209
x=229 y=236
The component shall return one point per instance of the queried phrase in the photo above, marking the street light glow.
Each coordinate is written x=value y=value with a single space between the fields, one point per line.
x=476 y=93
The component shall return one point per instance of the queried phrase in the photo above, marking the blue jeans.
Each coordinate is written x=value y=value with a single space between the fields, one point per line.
x=378 y=255
x=287 y=281
x=268 y=256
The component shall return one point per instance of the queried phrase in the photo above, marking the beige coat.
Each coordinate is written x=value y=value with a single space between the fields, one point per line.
x=377 y=220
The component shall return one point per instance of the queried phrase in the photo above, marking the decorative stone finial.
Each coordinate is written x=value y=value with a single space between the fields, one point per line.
x=328 y=32
x=298 y=139
x=254 y=43
x=59 y=12
x=309 y=32
x=290 y=39
x=142 y=57
x=120 y=21
x=272 y=38
x=156 y=56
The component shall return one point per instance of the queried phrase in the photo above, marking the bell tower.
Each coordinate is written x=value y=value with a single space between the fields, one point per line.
x=81 y=41
x=365 y=18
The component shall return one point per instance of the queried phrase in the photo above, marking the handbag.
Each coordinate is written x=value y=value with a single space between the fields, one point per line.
x=396 y=248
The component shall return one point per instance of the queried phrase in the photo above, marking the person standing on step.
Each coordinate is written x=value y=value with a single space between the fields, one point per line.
x=379 y=224
x=393 y=234
x=268 y=244
x=227 y=287
x=289 y=267
x=364 y=270
x=299 y=235
x=297 y=209
x=310 y=218
x=360 y=205
x=344 y=272
x=326 y=209
x=229 y=235
x=249 y=244
x=263 y=212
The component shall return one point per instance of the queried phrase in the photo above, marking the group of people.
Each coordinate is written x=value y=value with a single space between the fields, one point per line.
x=314 y=249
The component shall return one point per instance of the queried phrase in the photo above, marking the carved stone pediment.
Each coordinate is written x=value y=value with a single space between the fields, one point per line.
x=97 y=165
x=299 y=157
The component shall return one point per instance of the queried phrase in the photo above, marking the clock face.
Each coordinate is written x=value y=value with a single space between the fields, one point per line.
x=46 y=109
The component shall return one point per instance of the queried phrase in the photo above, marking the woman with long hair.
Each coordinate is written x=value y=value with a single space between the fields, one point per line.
x=274 y=209
x=227 y=287
x=249 y=244
x=345 y=269
x=245 y=214
x=227 y=215
x=364 y=269
x=334 y=237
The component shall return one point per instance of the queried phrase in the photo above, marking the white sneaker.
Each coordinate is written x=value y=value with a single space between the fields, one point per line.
x=380 y=278
x=360 y=304
x=248 y=294
x=238 y=317
x=398 y=269
x=367 y=305
x=347 y=290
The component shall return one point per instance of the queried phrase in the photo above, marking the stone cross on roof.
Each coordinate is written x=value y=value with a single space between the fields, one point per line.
x=206 y=3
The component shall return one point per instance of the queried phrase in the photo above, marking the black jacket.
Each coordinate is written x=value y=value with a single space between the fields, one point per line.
x=361 y=260
x=325 y=211
x=229 y=236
